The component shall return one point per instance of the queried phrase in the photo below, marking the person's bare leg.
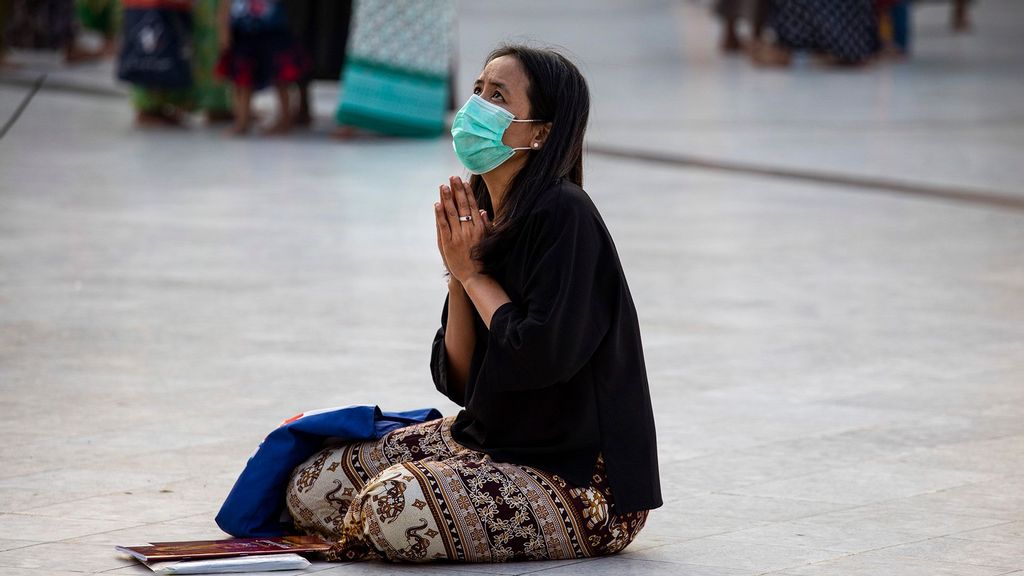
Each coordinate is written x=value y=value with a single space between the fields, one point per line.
x=109 y=49
x=961 y=21
x=243 y=111
x=284 y=115
x=304 y=115
x=760 y=19
x=730 y=38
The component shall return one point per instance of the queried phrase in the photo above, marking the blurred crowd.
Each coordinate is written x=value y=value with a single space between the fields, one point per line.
x=840 y=32
x=393 y=58
x=183 y=57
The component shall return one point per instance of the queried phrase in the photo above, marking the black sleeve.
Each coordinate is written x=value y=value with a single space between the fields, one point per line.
x=563 y=315
x=439 y=359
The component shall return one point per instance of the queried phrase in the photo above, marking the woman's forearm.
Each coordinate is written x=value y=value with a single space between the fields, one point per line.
x=459 y=338
x=486 y=294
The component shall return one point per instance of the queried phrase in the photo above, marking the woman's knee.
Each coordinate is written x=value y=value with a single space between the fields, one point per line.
x=606 y=533
x=318 y=494
x=392 y=513
x=619 y=532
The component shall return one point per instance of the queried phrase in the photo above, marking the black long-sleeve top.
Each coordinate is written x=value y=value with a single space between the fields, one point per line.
x=560 y=378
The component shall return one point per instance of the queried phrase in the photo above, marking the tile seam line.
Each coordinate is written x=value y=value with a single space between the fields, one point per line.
x=862 y=184
x=64 y=86
x=34 y=87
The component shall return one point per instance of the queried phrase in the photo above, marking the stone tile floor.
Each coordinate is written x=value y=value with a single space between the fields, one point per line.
x=838 y=371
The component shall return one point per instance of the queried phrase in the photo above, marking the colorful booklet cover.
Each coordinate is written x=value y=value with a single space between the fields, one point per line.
x=162 y=551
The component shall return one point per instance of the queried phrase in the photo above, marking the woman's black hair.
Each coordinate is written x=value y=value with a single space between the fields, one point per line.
x=558 y=94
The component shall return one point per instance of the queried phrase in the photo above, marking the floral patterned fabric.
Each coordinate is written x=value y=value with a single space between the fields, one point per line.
x=414 y=35
x=416 y=495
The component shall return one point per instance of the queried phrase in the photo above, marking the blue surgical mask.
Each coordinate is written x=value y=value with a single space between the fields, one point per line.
x=476 y=135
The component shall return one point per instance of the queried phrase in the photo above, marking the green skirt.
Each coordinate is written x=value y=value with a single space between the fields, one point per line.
x=207 y=93
x=395 y=79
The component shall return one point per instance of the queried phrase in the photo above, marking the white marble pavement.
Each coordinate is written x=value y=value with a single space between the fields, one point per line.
x=838 y=372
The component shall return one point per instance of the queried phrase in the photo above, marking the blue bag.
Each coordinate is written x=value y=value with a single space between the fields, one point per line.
x=253 y=508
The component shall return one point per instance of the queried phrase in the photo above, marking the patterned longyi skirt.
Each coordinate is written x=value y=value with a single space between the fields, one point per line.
x=416 y=495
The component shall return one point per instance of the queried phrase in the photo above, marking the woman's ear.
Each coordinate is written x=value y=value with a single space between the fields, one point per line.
x=540 y=134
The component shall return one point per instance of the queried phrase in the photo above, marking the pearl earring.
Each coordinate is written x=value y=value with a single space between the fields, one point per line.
x=536 y=144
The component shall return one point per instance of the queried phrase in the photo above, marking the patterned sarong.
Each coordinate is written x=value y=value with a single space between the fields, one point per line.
x=416 y=495
x=847 y=30
x=397 y=64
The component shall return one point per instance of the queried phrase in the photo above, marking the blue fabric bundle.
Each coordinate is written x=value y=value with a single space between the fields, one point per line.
x=254 y=506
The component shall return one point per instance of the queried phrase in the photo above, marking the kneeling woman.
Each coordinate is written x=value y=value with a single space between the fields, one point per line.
x=554 y=454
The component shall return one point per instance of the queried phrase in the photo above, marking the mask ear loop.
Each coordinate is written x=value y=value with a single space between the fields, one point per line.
x=535 y=145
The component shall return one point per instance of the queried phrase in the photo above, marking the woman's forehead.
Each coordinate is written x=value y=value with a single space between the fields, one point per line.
x=504 y=70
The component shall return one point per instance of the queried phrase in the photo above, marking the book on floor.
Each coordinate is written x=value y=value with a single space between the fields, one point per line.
x=232 y=547
x=261 y=563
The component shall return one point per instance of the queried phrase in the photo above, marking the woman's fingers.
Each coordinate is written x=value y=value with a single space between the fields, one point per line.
x=438 y=215
x=470 y=198
x=459 y=191
x=478 y=223
x=485 y=219
x=448 y=203
x=443 y=229
x=439 y=209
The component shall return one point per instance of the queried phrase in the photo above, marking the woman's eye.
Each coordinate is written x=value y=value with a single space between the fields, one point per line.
x=498 y=96
x=476 y=90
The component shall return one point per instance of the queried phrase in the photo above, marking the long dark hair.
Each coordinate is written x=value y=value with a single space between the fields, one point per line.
x=558 y=94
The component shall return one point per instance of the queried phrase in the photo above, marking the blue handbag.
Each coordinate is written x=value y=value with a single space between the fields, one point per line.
x=255 y=507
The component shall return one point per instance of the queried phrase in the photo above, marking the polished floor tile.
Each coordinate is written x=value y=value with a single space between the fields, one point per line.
x=834 y=348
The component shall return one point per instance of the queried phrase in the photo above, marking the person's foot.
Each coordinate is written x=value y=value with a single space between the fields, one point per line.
x=159 y=119
x=7 y=64
x=891 y=53
x=237 y=129
x=219 y=116
x=75 y=55
x=283 y=125
x=303 y=119
x=770 y=55
x=732 y=44
x=346 y=132
x=829 y=60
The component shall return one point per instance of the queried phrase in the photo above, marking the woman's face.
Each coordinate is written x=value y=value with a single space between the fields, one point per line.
x=503 y=82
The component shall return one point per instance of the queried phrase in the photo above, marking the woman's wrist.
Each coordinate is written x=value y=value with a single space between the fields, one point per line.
x=486 y=294
x=474 y=278
x=455 y=285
